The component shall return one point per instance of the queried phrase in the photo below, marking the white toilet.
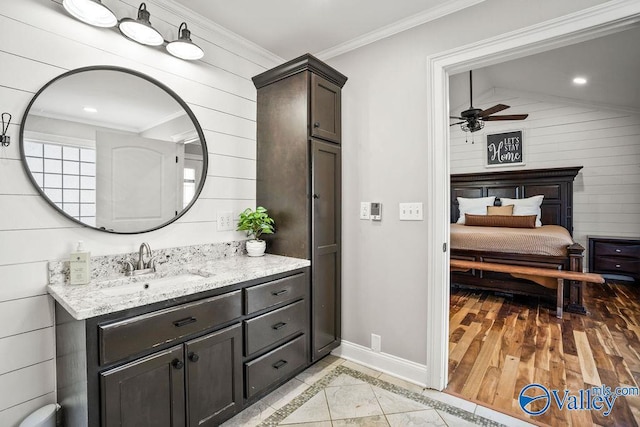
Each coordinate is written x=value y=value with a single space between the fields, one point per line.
x=43 y=417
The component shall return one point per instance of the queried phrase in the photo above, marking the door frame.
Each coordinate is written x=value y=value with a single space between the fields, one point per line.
x=597 y=21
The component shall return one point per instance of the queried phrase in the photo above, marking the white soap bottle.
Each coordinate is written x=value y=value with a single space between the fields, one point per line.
x=80 y=266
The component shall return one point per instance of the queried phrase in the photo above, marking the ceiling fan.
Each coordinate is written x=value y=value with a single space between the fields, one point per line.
x=473 y=118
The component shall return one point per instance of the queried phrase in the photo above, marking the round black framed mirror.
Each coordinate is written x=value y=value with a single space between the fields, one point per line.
x=113 y=149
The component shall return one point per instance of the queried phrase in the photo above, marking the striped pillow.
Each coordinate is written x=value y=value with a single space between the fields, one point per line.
x=511 y=221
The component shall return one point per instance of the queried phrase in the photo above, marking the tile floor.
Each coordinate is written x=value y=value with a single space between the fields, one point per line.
x=335 y=393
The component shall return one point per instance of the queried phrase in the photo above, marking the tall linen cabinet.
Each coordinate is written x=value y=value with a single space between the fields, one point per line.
x=299 y=179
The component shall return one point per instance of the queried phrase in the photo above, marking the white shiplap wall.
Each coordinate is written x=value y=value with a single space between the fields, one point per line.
x=39 y=42
x=557 y=133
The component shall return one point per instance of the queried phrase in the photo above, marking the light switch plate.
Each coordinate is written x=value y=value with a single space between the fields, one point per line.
x=364 y=210
x=411 y=211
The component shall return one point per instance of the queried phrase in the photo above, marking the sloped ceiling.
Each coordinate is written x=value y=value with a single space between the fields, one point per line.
x=611 y=64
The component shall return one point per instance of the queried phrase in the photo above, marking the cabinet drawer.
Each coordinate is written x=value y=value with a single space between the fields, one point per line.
x=617 y=265
x=274 y=326
x=616 y=249
x=131 y=336
x=277 y=364
x=272 y=293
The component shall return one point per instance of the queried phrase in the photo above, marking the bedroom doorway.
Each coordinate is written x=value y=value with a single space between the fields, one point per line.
x=580 y=26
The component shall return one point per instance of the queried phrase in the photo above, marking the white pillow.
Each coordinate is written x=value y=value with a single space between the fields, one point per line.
x=529 y=206
x=476 y=206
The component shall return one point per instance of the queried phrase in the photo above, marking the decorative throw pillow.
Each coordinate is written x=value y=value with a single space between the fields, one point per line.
x=528 y=206
x=476 y=206
x=511 y=221
x=500 y=210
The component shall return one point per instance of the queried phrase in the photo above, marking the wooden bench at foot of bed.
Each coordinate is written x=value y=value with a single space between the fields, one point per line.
x=535 y=272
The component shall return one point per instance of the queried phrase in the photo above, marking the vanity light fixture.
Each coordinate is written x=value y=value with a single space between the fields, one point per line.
x=184 y=48
x=92 y=12
x=140 y=30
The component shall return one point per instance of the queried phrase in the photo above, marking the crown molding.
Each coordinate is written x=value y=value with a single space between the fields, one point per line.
x=267 y=58
x=397 y=27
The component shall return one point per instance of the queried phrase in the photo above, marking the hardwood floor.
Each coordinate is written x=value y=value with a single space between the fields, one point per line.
x=498 y=345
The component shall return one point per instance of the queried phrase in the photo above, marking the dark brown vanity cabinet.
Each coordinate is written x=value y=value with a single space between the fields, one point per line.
x=149 y=391
x=299 y=179
x=153 y=390
x=198 y=382
x=191 y=361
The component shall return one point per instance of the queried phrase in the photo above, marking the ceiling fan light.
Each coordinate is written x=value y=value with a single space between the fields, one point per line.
x=184 y=48
x=140 y=30
x=92 y=12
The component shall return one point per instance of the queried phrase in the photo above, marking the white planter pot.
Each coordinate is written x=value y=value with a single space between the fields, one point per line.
x=256 y=247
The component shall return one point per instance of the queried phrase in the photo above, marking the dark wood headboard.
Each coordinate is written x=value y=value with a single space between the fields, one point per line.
x=555 y=184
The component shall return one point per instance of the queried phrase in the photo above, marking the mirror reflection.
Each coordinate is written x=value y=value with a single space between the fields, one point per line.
x=114 y=150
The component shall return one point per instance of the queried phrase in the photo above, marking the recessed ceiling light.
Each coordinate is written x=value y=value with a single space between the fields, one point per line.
x=90 y=110
x=580 y=80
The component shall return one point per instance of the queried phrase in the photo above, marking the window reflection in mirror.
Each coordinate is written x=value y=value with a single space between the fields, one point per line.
x=114 y=150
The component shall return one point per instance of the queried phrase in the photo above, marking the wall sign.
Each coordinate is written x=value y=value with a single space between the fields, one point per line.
x=505 y=149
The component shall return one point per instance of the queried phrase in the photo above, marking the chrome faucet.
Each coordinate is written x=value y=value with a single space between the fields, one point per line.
x=141 y=267
x=141 y=264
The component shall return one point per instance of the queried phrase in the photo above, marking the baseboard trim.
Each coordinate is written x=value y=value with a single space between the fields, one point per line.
x=401 y=368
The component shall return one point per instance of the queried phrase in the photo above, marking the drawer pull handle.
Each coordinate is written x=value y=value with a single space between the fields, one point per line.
x=618 y=250
x=194 y=356
x=279 y=364
x=617 y=265
x=278 y=293
x=278 y=325
x=316 y=125
x=177 y=363
x=184 y=322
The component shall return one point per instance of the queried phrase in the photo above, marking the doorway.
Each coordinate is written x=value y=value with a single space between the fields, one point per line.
x=577 y=27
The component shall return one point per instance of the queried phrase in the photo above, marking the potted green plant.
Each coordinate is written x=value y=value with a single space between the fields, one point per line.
x=256 y=223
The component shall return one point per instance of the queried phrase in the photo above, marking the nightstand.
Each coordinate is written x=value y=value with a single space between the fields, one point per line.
x=614 y=255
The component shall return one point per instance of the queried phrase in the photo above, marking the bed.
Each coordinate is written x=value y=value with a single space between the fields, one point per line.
x=556 y=210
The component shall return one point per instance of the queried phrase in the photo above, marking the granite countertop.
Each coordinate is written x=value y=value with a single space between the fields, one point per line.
x=121 y=293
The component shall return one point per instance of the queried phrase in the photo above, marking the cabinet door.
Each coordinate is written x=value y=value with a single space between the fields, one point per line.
x=326 y=246
x=325 y=109
x=147 y=392
x=214 y=376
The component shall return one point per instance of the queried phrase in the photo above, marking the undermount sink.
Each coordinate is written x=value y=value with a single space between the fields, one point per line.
x=141 y=284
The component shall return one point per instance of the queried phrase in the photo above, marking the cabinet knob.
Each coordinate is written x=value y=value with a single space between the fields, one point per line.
x=194 y=357
x=617 y=265
x=618 y=250
x=177 y=363
x=316 y=125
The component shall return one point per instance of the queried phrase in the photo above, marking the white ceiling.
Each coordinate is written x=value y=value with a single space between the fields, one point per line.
x=290 y=28
x=611 y=64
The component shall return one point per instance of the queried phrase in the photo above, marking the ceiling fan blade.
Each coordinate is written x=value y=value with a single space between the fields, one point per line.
x=453 y=124
x=494 y=109
x=507 y=117
x=454 y=117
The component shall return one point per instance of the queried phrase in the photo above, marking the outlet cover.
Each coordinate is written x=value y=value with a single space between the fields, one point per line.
x=365 y=212
x=376 y=343
x=224 y=221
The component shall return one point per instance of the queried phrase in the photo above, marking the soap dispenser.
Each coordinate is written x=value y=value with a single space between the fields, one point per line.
x=79 y=266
